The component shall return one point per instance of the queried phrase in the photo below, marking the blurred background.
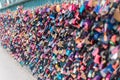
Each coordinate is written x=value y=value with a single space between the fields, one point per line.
x=12 y=4
x=5 y=3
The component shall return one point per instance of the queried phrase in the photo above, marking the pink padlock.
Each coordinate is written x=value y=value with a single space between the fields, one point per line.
x=97 y=59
